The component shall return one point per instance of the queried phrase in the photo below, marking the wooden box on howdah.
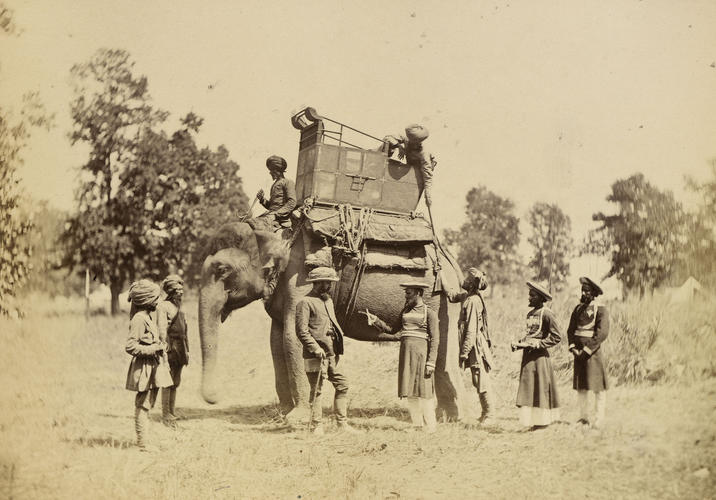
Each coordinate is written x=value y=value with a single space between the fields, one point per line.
x=333 y=169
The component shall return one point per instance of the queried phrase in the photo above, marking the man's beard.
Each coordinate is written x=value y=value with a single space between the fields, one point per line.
x=411 y=302
x=325 y=296
x=585 y=299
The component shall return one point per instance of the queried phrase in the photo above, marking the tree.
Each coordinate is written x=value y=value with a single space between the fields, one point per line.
x=645 y=235
x=700 y=248
x=148 y=198
x=178 y=194
x=46 y=274
x=110 y=110
x=490 y=236
x=15 y=248
x=552 y=241
x=15 y=224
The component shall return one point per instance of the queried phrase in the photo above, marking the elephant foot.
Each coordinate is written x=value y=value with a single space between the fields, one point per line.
x=300 y=415
x=448 y=413
x=285 y=408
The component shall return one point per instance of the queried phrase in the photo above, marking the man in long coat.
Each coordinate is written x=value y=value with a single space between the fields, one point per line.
x=475 y=348
x=537 y=392
x=588 y=328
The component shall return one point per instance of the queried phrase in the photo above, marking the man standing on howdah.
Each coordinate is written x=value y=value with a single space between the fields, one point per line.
x=588 y=328
x=537 y=394
x=322 y=338
x=410 y=146
x=173 y=331
x=475 y=349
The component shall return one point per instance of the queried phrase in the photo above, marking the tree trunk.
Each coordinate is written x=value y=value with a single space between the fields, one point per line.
x=115 y=287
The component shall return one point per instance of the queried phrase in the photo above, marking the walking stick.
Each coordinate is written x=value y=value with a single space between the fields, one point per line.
x=243 y=217
x=316 y=391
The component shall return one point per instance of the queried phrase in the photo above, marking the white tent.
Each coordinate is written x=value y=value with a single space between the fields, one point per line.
x=685 y=292
x=101 y=298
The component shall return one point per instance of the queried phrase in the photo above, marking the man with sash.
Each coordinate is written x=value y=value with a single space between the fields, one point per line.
x=537 y=394
x=588 y=328
x=322 y=338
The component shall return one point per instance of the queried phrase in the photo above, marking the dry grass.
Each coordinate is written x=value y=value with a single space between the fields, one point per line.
x=66 y=428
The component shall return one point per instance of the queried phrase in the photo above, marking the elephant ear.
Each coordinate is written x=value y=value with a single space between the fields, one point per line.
x=272 y=246
x=229 y=265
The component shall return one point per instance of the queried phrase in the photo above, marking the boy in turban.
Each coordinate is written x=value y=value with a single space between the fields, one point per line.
x=148 y=370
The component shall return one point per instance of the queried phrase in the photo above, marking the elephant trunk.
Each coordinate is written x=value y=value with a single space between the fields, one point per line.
x=211 y=300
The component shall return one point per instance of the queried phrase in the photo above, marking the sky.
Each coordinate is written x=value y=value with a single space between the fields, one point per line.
x=537 y=100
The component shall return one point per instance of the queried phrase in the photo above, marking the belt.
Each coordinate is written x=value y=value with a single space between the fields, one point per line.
x=413 y=333
x=584 y=333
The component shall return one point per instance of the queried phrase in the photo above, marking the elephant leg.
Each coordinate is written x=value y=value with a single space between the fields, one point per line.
x=295 y=369
x=283 y=386
x=292 y=347
x=449 y=388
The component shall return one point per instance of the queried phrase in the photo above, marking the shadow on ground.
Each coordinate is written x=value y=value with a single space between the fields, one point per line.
x=244 y=415
x=104 y=442
x=390 y=411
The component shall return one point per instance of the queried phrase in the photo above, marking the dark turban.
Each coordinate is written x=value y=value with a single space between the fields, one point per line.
x=475 y=278
x=276 y=163
x=144 y=293
x=172 y=284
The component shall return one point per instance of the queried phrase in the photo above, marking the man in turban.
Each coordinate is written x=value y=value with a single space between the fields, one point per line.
x=410 y=147
x=588 y=328
x=475 y=349
x=280 y=204
x=148 y=369
x=282 y=197
x=173 y=331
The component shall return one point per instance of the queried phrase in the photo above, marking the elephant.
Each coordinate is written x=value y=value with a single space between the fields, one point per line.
x=232 y=276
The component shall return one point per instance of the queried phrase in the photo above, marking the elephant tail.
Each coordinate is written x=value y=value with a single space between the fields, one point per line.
x=449 y=275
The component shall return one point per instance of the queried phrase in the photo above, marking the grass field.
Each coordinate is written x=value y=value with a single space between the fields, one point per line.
x=66 y=429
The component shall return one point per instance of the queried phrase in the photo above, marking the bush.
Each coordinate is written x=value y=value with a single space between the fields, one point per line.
x=652 y=339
